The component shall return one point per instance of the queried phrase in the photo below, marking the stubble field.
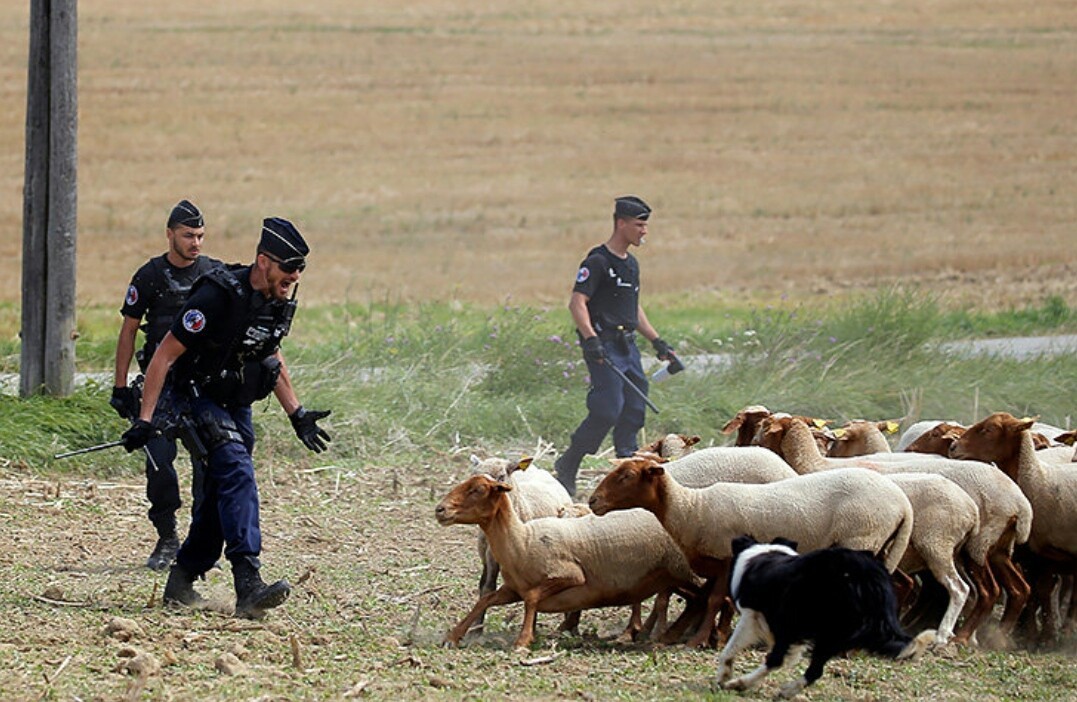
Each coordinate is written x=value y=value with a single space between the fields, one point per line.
x=444 y=150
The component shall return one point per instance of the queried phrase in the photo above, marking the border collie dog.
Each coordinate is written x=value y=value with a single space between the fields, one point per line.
x=834 y=599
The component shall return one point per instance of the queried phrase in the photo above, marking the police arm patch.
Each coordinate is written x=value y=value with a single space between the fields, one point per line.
x=194 y=321
x=583 y=274
x=132 y=295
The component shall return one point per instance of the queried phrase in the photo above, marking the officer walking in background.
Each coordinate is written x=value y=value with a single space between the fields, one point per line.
x=606 y=310
x=223 y=351
x=157 y=292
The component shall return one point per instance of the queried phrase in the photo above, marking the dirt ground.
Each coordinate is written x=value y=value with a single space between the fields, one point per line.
x=377 y=584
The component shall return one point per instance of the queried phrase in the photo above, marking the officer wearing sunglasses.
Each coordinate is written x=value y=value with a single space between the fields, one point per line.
x=223 y=352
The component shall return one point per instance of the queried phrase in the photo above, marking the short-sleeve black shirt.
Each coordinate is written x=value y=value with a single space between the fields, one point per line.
x=611 y=284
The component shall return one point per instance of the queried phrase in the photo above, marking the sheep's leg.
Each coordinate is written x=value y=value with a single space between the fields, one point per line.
x=1069 y=584
x=527 y=631
x=987 y=593
x=657 y=620
x=488 y=581
x=747 y=633
x=689 y=618
x=571 y=623
x=903 y=587
x=635 y=625
x=946 y=573
x=503 y=595
x=716 y=597
x=1016 y=587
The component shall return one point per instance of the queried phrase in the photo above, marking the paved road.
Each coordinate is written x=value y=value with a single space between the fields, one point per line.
x=1020 y=347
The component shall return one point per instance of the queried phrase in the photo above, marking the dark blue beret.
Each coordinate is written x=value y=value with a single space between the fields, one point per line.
x=631 y=207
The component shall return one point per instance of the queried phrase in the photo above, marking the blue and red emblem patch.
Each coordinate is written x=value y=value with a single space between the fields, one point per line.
x=132 y=295
x=194 y=321
x=583 y=274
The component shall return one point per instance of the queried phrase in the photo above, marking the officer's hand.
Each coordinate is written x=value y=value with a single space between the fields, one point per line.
x=306 y=428
x=664 y=350
x=125 y=401
x=138 y=435
x=593 y=350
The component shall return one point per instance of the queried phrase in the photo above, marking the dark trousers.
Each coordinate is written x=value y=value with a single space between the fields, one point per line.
x=162 y=482
x=611 y=404
x=227 y=515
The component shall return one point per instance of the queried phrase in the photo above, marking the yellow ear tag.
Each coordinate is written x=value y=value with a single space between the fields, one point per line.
x=892 y=427
x=524 y=463
x=838 y=433
x=819 y=423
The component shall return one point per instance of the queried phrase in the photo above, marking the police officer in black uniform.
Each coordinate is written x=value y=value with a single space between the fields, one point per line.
x=221 y=354
x=605 y=307
x=157 y=292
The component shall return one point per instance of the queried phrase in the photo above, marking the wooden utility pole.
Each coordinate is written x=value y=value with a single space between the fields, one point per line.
x=50 y=200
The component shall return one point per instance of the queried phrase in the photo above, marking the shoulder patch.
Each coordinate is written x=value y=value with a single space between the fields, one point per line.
x=194 y=321
x=583 y=274
x=132 y=295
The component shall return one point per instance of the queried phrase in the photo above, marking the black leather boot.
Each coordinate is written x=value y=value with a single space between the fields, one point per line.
x=179 y=588
x=164 y=553
x=253 y=596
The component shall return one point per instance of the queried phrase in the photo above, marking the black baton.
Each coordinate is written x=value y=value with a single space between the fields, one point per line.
x=632 y=385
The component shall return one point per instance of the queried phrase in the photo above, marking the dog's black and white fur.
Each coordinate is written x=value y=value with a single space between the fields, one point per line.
x=835 y=599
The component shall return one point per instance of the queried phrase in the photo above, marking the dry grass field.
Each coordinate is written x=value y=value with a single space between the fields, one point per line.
x=442 y=148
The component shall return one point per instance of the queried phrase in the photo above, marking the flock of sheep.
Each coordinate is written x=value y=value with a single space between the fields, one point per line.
x=985 y=511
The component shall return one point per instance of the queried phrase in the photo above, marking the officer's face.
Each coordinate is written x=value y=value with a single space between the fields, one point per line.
x=633 y=230
x=186 y=242
x=280 y=282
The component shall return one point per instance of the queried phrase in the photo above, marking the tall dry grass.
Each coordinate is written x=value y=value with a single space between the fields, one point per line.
x=444 y=149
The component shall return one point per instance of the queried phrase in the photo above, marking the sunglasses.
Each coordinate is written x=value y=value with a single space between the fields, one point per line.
x=289 y=266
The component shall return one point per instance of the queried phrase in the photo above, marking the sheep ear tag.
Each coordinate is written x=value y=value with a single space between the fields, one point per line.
x=892 y=427
x=819 y=423
x=838 y=433
x=524 y=463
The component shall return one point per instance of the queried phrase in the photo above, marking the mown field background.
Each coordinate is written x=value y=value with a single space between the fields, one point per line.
x=837 y=190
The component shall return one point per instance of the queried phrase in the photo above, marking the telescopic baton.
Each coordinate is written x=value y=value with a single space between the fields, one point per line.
x=632 y=385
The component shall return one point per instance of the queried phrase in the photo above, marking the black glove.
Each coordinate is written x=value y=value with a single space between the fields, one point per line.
x=138 y=435
x=664 y=350
x=126 y=401
x=306 y=428
x=593 y=350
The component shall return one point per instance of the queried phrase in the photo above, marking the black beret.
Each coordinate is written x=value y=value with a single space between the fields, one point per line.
x=186 y=213
x=280 y=239
x=631 y=207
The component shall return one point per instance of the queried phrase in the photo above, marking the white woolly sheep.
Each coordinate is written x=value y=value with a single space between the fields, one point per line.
x=855 y=508
x=564 y=565
x=1052 y=489
x=1005 y=514
x=726 y=464
x=536 y=493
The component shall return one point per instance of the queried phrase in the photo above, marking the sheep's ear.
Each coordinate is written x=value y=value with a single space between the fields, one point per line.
x=502 y=487
x=690 y=440
x=653 y=471
x=475 y=460
x=733 y=424
x=524 y=463
x=1026 y=423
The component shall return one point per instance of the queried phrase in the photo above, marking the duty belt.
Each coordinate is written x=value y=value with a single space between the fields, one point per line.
x=618 y=333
